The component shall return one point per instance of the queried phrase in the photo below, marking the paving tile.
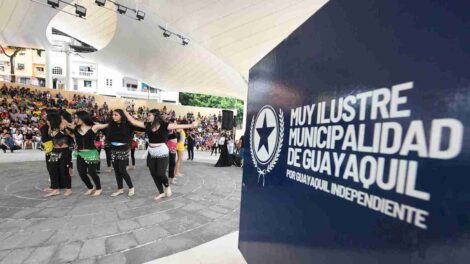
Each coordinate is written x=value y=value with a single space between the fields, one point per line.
x=41 y=255
x=127 y=225
x=17 y=256
x=120 y=242
x=93 y=248
x=150 y=234
x=67 y=253
x=117 y=258
x=147 y=253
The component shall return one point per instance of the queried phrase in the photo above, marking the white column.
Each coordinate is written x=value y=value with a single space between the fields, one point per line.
x=48 y=69
x=68 y=75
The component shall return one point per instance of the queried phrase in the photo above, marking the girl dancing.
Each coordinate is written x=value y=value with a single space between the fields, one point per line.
x=158 y=153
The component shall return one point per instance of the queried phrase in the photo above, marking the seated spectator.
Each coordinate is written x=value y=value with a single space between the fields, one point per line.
x=18 y=138
x=8 y=144
x=28 y=139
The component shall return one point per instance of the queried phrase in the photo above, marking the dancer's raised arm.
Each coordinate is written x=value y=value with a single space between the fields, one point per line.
x=134 y=121
x=99 y=126
x=175 y=126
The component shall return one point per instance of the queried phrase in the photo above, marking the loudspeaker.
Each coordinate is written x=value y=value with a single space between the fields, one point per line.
x=227 y=120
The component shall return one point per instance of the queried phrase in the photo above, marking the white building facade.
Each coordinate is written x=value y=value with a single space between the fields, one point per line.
x=52 y=68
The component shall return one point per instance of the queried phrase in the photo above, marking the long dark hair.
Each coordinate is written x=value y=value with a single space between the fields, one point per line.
x=123 y=116
x=66 y=115
x=54 y=119
x=158 y=119
x=85 y=117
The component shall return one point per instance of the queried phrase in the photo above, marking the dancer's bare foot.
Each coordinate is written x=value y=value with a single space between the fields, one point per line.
x=118 y=192
x=168 y=191
x=89 y=192
x=48 y=189
x=158 y=197
x=131 y=192
x=52 y=193
x=68 y=192
x=97 y=193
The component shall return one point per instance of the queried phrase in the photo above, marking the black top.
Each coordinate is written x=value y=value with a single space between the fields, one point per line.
x=172 y=136
x=45 y=133
x=86 y=141
x=119 y=132
x=60 y=139
x=159 y=136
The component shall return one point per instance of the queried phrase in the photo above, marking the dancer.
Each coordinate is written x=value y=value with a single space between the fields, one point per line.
x=59 y=160
x=119 y=135
x=47 y=142
x=88 y=157
x=180 y=151
x=172 y=144
x=158 y=153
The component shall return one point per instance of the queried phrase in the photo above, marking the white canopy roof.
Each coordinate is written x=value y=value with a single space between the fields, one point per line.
x=227 y=37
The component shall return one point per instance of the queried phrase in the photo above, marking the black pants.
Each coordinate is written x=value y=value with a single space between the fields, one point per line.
x=172 y=165
x=108 y=156
x=190 y=152
x=133 y=156
x=5 y=148
x=84 y=169
x=157 y=167
x=214 y=148
x=121 y=174
x=59 y=170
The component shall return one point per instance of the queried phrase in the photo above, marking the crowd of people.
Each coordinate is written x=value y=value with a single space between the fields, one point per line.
x=20 y=110
x=62 y=128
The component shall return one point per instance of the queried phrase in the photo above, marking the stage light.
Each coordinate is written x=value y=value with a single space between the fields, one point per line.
x=100 y=2
x=80 y=10
x=140 y=15
x=53 y=3
x=166 y=34
x=185 y=41
x=121 y=9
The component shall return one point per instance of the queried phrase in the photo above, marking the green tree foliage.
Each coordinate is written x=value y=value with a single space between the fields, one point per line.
x=211 y=101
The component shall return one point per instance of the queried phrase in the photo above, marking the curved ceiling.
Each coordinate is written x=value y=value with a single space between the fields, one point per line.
x=97 y=29
x=227 y=38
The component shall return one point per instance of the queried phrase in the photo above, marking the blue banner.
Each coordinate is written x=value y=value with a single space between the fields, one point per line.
x=357 y=138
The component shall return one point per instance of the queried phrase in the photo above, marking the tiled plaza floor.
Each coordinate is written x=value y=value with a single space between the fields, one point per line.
x=81 y=229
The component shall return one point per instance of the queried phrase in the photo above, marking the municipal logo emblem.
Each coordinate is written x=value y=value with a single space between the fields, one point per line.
x=267 y=135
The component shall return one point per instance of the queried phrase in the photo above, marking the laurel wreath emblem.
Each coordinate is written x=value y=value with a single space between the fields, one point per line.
x=270 y=167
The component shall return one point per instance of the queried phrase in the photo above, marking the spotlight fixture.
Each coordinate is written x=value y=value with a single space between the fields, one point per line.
x=167 y=33
x=100 y=2
x=121 y=9
x=140 y=15
x=53 y=3
x=80 y=11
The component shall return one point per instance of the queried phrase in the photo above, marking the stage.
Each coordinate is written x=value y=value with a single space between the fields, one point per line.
x=81 y=229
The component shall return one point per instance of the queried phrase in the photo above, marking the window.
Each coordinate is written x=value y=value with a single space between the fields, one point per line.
x=86 y=83
x=57 y=70
x=40 y=69
x=109 y=82
x=20 y=66
x=2 y=68
x=85 y=68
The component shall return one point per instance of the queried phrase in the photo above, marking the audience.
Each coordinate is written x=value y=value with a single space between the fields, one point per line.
x=20 y=117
